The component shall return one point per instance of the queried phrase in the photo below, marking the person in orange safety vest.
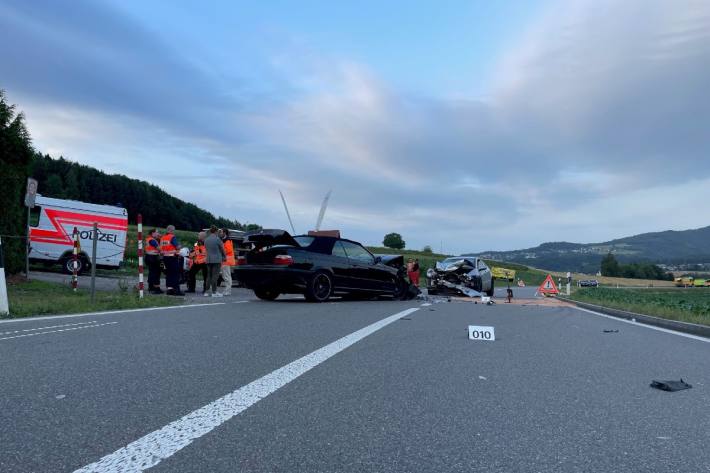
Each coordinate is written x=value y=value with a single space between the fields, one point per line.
x=230 y=261
x=198 y=260
x=169 y=248
x=151 y=249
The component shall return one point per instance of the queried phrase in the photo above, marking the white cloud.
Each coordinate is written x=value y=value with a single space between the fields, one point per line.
x=599 y=112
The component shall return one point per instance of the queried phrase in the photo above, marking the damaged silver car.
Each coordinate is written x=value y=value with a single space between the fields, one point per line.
x=465 y=275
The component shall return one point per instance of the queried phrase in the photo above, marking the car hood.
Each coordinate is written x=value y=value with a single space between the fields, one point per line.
x=449 y=266
x=396 y=261
x=262 y=238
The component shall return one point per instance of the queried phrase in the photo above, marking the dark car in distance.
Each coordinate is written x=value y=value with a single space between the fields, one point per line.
x=317 y=267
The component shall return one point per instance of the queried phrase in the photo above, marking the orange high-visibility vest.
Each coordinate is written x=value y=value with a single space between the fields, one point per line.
x=149 y=249
x=229 y=250
x=166 y=245
x=199 y=254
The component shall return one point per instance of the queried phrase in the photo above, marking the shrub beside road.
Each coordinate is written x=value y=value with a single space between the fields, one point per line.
x=29 y=298
x=686 y=305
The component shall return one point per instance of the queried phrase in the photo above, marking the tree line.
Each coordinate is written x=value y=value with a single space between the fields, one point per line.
x=68 y=180
x=64 y=179
x=611 y=267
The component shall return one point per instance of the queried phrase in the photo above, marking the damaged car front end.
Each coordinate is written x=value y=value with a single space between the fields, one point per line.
x=463 y=275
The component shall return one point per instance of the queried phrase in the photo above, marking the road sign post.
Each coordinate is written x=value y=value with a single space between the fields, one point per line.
x=30 y=195
x=4 y=304
x=95 y=239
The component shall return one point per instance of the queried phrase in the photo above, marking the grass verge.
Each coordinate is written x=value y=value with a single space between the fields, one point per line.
x=29 y=298
x=685 y=305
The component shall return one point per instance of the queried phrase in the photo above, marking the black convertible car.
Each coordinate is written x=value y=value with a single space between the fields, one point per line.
x=317 y=267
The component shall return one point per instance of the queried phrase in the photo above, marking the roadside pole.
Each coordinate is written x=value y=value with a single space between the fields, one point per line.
x=30 y=196
x=27 y=247
x=75 y=255
x=139 y=220
x=4 y=305
x=95 y=238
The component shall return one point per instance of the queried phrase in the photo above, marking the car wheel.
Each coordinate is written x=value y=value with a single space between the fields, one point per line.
x=319 y=288
x=401 y=287
x=266 y=294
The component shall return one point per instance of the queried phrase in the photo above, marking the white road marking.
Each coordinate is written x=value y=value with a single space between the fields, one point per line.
x=148 y=451
x=56 y=331
x=108 y=312
x=426 y=304
x=660 y=329
x=46 y=328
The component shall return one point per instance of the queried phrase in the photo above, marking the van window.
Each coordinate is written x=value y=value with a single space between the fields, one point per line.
x=34 y=215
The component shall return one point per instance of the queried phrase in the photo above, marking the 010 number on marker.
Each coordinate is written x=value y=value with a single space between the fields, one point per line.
x=478 y=332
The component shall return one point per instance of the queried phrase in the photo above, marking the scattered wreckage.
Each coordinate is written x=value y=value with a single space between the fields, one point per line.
x=465 y=275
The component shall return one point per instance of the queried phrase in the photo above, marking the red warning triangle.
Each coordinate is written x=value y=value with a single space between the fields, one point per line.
x=548 y=286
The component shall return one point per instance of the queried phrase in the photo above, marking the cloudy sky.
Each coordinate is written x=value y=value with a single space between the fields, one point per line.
x=474 y=124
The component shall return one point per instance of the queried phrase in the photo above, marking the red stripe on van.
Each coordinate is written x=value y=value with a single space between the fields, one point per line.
x=62 y=217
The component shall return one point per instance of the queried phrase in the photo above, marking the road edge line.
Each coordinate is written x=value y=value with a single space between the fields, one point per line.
x=158 y=445
x=645 y=325
x=106 y=312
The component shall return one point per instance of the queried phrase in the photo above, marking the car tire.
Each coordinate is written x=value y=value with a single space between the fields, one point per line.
x=401 y=288
x=266 y=294
x=491 y=291
x=319 y=287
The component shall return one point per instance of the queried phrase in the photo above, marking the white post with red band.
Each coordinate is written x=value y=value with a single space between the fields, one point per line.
x=75 y=259
x=139 y=220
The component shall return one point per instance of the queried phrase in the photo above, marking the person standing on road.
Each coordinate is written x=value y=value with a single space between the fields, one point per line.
x=215 y=257
x=198 y=256
x=152 y=260
x=169 y=248
x=229 y=261
x=410 y=270
x=415 y=272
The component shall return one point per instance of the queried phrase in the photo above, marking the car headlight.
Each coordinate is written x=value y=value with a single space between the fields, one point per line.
x=430 y=273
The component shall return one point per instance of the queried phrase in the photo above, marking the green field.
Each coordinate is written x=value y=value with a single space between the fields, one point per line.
x=44 y=298
x=687 y=305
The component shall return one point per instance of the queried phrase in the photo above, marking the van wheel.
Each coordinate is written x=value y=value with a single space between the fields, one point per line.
x=266 y=294
x=68 y=264
x=319 y=288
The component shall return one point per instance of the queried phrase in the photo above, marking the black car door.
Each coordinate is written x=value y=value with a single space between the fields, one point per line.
x=341 y=266
x=365 y=273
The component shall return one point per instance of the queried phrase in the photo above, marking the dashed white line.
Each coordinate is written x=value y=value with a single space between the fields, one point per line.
x=33 y=334
x=148 y=451
x=46 y=328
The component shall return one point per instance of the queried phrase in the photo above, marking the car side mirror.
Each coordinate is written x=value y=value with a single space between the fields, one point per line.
x=378 y=259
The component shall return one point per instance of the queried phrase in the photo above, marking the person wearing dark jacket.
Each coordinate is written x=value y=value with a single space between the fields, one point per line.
x=151 y=249
x=215 y=257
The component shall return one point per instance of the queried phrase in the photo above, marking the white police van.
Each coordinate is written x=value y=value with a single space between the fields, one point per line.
x=52 y=223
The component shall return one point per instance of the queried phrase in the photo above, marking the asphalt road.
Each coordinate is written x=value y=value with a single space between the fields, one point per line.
x=397 y=392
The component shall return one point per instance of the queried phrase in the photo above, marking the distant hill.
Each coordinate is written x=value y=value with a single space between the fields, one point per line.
x=669 y=247
x=67 y=180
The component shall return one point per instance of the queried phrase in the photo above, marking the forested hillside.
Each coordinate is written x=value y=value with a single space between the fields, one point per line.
x=67 y=180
